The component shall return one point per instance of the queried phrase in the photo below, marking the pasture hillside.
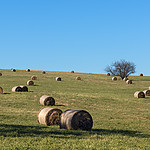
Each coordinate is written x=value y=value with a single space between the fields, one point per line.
x=120 y=121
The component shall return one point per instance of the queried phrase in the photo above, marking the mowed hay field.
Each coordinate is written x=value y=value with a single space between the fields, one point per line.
x=120 y=121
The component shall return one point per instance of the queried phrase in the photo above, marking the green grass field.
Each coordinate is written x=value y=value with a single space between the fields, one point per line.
x=120 y=121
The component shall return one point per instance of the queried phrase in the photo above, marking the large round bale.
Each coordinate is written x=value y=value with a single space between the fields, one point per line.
x=34 y=77
x=1 y=90
x=58 y=79
x=47 y=100
x=107 y=74
x=76 y=119
x=114 y=78
x=28 y=70
x=24 y=88
x=147 y=92
x=16 y=89
x=72 y=71
x=141 y=74
x=13 y=70
x=0 y=74
x=49 y=116
x=78 y=78
x=125 y=79
x=139 y=94
x=43 y=72
x=129 y=81
x=30 y=82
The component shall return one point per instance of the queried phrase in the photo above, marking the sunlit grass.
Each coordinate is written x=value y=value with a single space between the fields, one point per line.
x=120 y=120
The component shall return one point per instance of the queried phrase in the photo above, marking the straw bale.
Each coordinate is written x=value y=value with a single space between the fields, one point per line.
x=76 y=119
x=114 y=78
x=49 y=116
x=147 y=92
x=47 y=100
x=139 y=94
x=30 y=82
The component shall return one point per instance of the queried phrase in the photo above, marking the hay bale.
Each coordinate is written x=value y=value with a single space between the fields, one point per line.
x=24 y=88
x=107 y=74
x=47 y=100
x=49 y=116
x=0 y=74
x=1 y=90
x=16 y=89
x=43 y=72
x=76 y=119
x=141 y=74
x=58 y=79
x=147 y=92
x=13 y=70
x=30 y=82
x=125 y=79
x=34 y=77
x=28 y=70
x=129 y=81
x=139 y=94
x=114 y=78
x=78 y=78
x=72 y=71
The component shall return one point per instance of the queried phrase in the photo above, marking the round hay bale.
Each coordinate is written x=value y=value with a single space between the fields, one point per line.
x=34 y=77
x=1 y=90
x=107 y=74
x=28 y=70
x=76 y=119
x=78 y=78
x=43 y=72
x=24 y=88
x=141 y=74
x=114 y=78
x=147 y=92
x=16 y=89
x=58 y=79
x=13 y=70
x=49 y=116
x=139 y=94
x=0 y=74
x=72 y=71
x=125 y=79
x=129 y=81
x=30 y=82
x=47 y=100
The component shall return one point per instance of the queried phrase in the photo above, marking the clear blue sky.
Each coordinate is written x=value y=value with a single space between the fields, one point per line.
x=79 y=35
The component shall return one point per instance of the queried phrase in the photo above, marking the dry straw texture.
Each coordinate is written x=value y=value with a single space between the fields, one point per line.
x=147 y=92
x=34 y=77
x=114 y=78
x=30 y=82
x=129 y=81
x=14 y=70
x=49 y=116
x=78 y=78
x=58 y=79
x=28 y=70
x=16 y=89
x=47 y=100
x=24 y=88
x=139 y=94
x=107 y=74
x=1 y=90
x=76 y=119
x=141 y=74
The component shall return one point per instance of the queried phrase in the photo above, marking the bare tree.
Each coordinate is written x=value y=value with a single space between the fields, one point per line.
x=121 y=68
